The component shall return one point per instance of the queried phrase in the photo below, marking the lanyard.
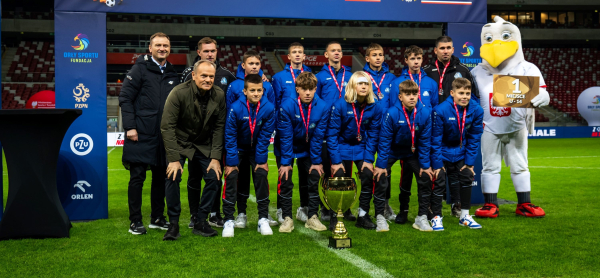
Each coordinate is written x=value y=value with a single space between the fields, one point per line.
x=461 y=128
x=412 y=128
x=294 y=76
x=419 y=88
x=379 y=95
x=337 y=85
x=252 y=124
x=358 y=123
x=441 y=74
x=306 y=122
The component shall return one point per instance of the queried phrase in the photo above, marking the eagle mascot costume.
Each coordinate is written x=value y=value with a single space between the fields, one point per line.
x=505 y=129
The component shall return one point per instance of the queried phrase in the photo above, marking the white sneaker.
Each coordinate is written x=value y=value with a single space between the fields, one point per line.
x=280 y=216
x=388 y=213
x=287 y=226
x=264 y=228
x=436 y=224
x=241 y=221
x=228 y=228
x=469 y=222
x=271 y=221
x=422 y=224
x=301 y=214
x=314 y=224
x=382 y=225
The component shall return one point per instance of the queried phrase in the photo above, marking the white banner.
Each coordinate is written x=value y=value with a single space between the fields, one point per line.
x=115 y=139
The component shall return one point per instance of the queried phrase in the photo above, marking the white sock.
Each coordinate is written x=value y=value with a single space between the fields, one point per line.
x=213 y=214
x=361 y=212
x=463 y=213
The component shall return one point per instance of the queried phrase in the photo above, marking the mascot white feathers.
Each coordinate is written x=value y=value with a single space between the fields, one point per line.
x=505 y=129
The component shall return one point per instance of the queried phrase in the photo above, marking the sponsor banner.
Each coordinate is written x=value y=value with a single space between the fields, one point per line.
x=319 y=60
x=566 y=132
x=115 y=139
x=130 y=58
x=472 y=11
x=588 y=105
x=467 y=42
x=80 y=47
x=42 y=100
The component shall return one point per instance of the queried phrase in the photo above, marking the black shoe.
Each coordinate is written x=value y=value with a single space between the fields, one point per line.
x=172 y=232
x=402 y=217
x=365 y=222
x=193 y=221
x=333 y=222
x=137 y=228
x=202 y=228
x=456 y=210
x=216 y=221
x=349 y=216
x=159 y=223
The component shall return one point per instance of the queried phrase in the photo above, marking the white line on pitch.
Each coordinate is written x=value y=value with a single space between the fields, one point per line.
x=557 y=167
x=345 y=254
x=111 y=150
x=562 y=157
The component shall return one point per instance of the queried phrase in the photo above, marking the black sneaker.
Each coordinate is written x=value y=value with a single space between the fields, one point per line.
x=172 y=232
x=193 y=221
x=402 y=217
x=137 y=228
x=349 y=216
x=456 y=210
x=365 y=222
x=202 y=228
x=216 y=221
x=333 y=222
x=159 y=223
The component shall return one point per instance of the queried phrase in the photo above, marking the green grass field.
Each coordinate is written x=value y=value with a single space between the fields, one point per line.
x=563 y=244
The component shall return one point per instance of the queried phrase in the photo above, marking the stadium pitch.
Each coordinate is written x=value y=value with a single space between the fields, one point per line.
x=562 y=244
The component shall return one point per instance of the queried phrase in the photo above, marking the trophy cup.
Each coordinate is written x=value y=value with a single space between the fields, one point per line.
x=338 y=194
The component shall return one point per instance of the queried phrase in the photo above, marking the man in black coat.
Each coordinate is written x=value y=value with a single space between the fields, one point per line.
x=142 y=101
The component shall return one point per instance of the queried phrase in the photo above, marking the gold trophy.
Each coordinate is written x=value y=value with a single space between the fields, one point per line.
x=339 y=195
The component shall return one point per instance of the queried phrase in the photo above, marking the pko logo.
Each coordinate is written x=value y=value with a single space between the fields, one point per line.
x=83 y=42
x=81 y=94
x=82 y=185
x=470 y=49
x=81 y=144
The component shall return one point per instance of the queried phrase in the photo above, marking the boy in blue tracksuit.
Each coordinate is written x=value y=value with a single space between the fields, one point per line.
x=456 y=137
x=284 y=85
x=405 y=135
x=428 y=96
x=352 y=137
x=301 y=127
x=331 y=86
x=248 y=128
x=380 y=74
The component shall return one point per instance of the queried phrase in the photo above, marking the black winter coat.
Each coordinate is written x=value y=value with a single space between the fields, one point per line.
x=454 y=70
x=142 y=100
x=223 y=77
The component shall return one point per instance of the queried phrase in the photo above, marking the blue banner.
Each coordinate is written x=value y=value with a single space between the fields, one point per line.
x=378 y=10
x=566 y=132
x=1 y=160
x=80 y=58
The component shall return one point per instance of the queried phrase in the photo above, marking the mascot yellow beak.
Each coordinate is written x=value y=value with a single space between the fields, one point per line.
x=498 y=51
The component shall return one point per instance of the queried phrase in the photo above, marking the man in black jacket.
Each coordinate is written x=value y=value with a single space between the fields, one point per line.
x=142 y=101
x=449 y=68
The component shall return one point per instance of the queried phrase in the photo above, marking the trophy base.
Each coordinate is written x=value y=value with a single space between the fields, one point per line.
x=343 y=243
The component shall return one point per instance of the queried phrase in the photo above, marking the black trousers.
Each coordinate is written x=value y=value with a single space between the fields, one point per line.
x=261 y=188
x=194 y=187
x=368 y=189
x=429 y=193
x=459 y=182
x=308 y=182
x=302 y=188
x=137 y=176
x=211 y=180
x=243 y=184
x=406 y=177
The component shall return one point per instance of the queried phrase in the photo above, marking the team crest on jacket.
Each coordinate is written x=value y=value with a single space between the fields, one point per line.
x=224 y=81
x=312 y=125
x=498 y=111
x=416 y=127
x=259 y=122
x=457 y=75
x=345 y=84
x=387 y=90
x=426 y=94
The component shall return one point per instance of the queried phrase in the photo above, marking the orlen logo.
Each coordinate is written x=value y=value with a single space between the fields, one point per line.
x=83 y=42
x=81 y=144
x=470 y=49
x=82 y=185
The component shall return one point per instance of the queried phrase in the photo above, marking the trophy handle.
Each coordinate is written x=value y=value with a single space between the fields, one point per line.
x=322 y=193
x=356 y=190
